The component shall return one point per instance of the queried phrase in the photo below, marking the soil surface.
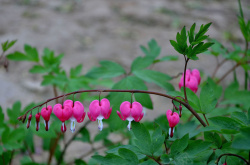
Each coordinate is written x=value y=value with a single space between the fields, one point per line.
x=88 y=31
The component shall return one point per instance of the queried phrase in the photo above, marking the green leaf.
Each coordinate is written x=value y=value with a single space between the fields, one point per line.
x=1 y=116
x=157 y=140
x=196 y=146
x=31 y=53
x=168 y=58
x=108 y=69
x=132 y=82
x=110 y=159
x=141 y=63
x=38 y=69
x=242 y=140
x=143 y=140
x=153 y=50
x=153 y=77
x=207 y=99
x=179 y=145
x=74 y=72
x=149 y=162
x=213 y=137
x=226 y=123
x=128 y=155
x=165 y=159
x=176 y=46
x=80 y=162
x=6 y=45
x=17 y=135
x=15 y=112
x=241 y=117
x=191 y=33
x=17 y=56
x=102 y=135
x=85 y=136
x=130 y=147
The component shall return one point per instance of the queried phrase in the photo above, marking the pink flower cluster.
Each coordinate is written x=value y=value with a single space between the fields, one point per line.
x=98 y=110
x=192 y=80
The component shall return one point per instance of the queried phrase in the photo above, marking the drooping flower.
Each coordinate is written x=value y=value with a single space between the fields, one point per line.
x=63 y=113
x=78 y=113
x=225 y=163
x=46 y=112
x=29 y=120
x=130 y=112
x=192 y=80
x=99 y=110
x=38 y=121
x=173 y=120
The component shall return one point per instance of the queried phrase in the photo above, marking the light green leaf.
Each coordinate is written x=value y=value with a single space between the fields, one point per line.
x=141 y=63
x=108 y=69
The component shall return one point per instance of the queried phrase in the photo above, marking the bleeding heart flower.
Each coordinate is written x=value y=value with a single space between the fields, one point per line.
x=38 y=121
x=78 y=113
x=99 y=110
x=46 y=112
x=29 y=120
x=192 y=80
x=173 y=119
x=225 y=163
x=63 y=113
x=130 y=112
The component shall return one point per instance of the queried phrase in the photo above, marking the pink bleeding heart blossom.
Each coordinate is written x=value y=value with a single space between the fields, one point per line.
x=99 y=110
x=192 y=80
x=29 y=120
x=225 y=163
x=78 y=113
x=130 y=112
x=173 y=120
x=38 y=120
x=63 y=113
x=46 y=112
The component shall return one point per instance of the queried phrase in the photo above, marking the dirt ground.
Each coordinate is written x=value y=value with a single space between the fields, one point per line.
x=88 y=31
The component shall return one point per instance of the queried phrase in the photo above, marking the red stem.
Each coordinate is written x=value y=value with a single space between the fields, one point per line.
x=228 y=154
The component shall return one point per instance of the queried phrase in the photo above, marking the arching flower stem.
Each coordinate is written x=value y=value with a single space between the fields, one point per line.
x=126 y=91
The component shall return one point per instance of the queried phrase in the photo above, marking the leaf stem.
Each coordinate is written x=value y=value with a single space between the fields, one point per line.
x=206 y=119
x=185 y=68
x=130 y=91
x=229 y=154
x=151 y=157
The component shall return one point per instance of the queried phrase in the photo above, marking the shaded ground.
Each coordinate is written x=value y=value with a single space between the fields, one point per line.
x=90 y=31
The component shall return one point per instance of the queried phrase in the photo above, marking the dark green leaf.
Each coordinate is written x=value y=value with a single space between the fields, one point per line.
x=179 y=145
x=149 y=162
x=157 y=140
x=6 y=45
x=110 y=159
x=191 y=33
x=80 y=162
x=242 y=141
x=207 y=99
x=176 y=46
x=197 y=146
x=128 y=155
x=143 y=140
x=226 y=123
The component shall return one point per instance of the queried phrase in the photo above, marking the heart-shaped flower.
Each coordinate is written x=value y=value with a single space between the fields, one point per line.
x=130 y=112
x=173 y=120
x=99 y=110
x=46 y=112
x=63 y=113
x=78 y=113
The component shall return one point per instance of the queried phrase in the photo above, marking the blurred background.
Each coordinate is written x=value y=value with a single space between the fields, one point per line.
x=87 y=31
